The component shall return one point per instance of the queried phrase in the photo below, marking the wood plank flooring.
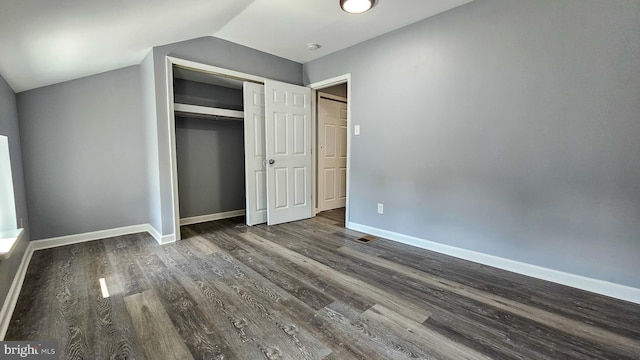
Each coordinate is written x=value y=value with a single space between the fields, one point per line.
x=304 y=290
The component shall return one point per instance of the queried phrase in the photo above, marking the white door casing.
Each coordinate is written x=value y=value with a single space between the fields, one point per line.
x=288 y=152
x=254 y=154
x=318 y=86
x=332 y=152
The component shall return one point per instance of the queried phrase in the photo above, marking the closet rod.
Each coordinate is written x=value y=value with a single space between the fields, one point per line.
x=181 y=115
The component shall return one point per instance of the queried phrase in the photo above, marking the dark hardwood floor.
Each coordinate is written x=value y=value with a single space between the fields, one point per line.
x=304 y=290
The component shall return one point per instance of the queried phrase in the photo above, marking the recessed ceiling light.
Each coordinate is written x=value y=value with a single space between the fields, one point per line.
x=313 y=46
x=356 y=6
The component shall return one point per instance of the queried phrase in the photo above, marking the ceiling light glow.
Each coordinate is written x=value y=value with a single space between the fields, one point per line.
x=356 y=6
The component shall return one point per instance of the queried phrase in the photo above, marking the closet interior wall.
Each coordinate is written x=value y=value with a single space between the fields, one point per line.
x=210 y=151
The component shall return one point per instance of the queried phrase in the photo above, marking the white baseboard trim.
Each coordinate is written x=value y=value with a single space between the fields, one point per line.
x=16 y=285
x=14 y=291
x=606 y=288
x=89 y=236
x=161 y=239
x=212 y=217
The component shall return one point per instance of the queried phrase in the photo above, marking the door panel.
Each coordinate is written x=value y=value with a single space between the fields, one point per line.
x=329 y=184
x=300 y=188
x=288 y=144
x=254 y=136
x=280 y=134
x=342 y=142
x=257 y=121
x=299 y=135
x=281 y=176
x=332 y=154
x=342 y=188
x=329 y=140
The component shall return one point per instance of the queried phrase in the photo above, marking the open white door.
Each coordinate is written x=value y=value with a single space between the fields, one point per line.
x=288 y=151
x=332 y=152
x=254 y=154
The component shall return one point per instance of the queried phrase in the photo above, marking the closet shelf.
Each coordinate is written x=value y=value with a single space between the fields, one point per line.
x=207 y=111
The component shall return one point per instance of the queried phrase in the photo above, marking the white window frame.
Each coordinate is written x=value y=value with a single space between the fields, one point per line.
x=10 y=234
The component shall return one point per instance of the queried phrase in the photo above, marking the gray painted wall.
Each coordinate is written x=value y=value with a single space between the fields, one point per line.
x=83 y=144
x=216 y=52
x=9 y=127
x=508 y=127
x=210 y=166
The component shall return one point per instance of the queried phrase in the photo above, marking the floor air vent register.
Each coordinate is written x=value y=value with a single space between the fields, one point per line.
x=367 y=238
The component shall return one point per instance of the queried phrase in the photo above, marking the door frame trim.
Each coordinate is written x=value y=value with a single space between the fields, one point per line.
x=337 y=80
x=213 y=70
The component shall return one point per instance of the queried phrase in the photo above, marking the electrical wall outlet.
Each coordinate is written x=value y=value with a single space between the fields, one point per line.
x=380 y=208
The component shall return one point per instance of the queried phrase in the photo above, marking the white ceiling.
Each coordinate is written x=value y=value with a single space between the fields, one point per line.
x=44 y=42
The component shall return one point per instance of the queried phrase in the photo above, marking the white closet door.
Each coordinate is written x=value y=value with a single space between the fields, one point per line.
x=254 y=154
x=288 y=150
x=332 y=153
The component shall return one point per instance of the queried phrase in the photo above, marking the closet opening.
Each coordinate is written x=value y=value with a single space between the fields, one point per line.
x=209 y=145
x=239 y=145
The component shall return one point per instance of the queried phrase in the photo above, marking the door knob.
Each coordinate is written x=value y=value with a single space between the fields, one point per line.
x=271 y=161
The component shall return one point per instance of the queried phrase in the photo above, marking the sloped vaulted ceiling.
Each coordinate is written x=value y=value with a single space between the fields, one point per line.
x=44 y=42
